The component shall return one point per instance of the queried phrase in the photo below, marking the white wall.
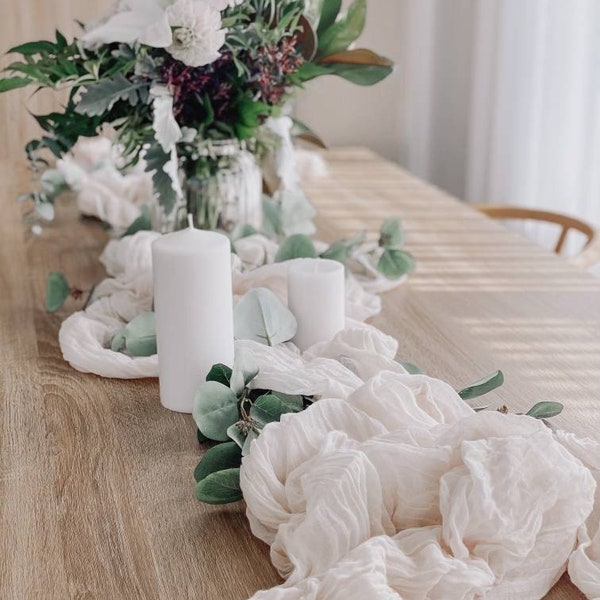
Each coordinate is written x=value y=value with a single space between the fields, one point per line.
x=346 y=114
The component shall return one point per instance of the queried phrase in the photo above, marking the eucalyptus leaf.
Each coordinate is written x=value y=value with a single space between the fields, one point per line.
x=222 y=487
x=220 y=373
x=297 y=213
x=45 y=210
x=391 y=234
x=215 y=409
x=57 y=291
x=218 y=458
x=244 y=371
x=393 y=263
x=296 y=246
x=242 y=231
x=260 y=316
x=140 y=335
x=142 y=223
x=270 y=407
x=272 y=218
x=342 y=249
x=237 y=433
x=118 y=342
x=250 y=437
x=411 y=368
x=483 y=386
x=545 y=410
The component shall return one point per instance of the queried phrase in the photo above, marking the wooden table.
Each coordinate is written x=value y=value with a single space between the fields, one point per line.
x=96 y=478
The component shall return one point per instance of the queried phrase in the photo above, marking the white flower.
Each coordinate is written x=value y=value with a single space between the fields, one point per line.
x=223 y=4
x=143 y=21
x=197 y=33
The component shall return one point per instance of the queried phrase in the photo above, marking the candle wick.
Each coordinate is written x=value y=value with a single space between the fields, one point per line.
x=190 y=218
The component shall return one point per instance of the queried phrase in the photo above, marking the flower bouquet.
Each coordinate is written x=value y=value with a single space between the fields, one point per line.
x=186 y=90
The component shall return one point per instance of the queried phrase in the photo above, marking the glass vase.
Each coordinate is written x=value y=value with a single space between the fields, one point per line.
x=225 y=192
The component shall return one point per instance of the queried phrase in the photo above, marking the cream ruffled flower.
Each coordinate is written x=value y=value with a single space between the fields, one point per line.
x=142 y=21
x=197 y=32
x=223 y=4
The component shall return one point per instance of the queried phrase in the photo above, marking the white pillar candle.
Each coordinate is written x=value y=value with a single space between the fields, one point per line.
x=317 y=298
x=194 y=311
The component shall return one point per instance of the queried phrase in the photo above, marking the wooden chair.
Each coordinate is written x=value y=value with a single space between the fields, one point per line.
x=590 y=252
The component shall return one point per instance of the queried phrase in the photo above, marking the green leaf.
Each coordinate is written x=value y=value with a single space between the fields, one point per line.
x=156 y=159
x=118 y=342
x=296 y=246
x=360 y=66
x=262 y=317
x=243 y=230
x=215 y=409
x=44 y=210
x=545 y=410
x=272 y=217
x=483 y=386
x=250 y=437
x=250 y=112
x=309 y=70
x=142 y=223
x=270 y=407
x=61 y=40
x=140 y=335
x=337 y=251
x=344 y=31
x=13 y=83
x=57 y=291
x=31 y=48
x=201 y=437
x=100 y=97
x=342 y=249
x=391 y=234
x=222 y=487
x=244 y=371
x=220 y=373
x=218 y=458
x=411 y=368
x=236 y=432
x=329 y=13
x=360 y=74
x=393 y=263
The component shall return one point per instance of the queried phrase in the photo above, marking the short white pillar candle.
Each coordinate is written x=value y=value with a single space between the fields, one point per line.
x=317 y=298
x=194 y=311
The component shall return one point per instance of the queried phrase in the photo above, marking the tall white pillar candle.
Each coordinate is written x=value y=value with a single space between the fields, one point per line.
x=194 y=311
x=317 y=298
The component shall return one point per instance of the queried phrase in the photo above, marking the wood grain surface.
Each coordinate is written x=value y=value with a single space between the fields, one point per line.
x=96 y=483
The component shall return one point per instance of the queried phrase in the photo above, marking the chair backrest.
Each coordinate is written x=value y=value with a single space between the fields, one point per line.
x=517 y=212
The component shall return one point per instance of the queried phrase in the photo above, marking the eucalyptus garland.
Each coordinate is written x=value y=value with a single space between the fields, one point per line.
x=228 y=411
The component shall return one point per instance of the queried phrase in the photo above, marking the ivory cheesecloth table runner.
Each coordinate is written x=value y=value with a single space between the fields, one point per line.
x=96 y=486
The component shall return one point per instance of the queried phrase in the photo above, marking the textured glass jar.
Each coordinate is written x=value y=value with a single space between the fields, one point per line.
x=231 y=192
x=228 y=193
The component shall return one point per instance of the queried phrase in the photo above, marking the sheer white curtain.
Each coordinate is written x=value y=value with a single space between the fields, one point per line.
x=503 y=101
